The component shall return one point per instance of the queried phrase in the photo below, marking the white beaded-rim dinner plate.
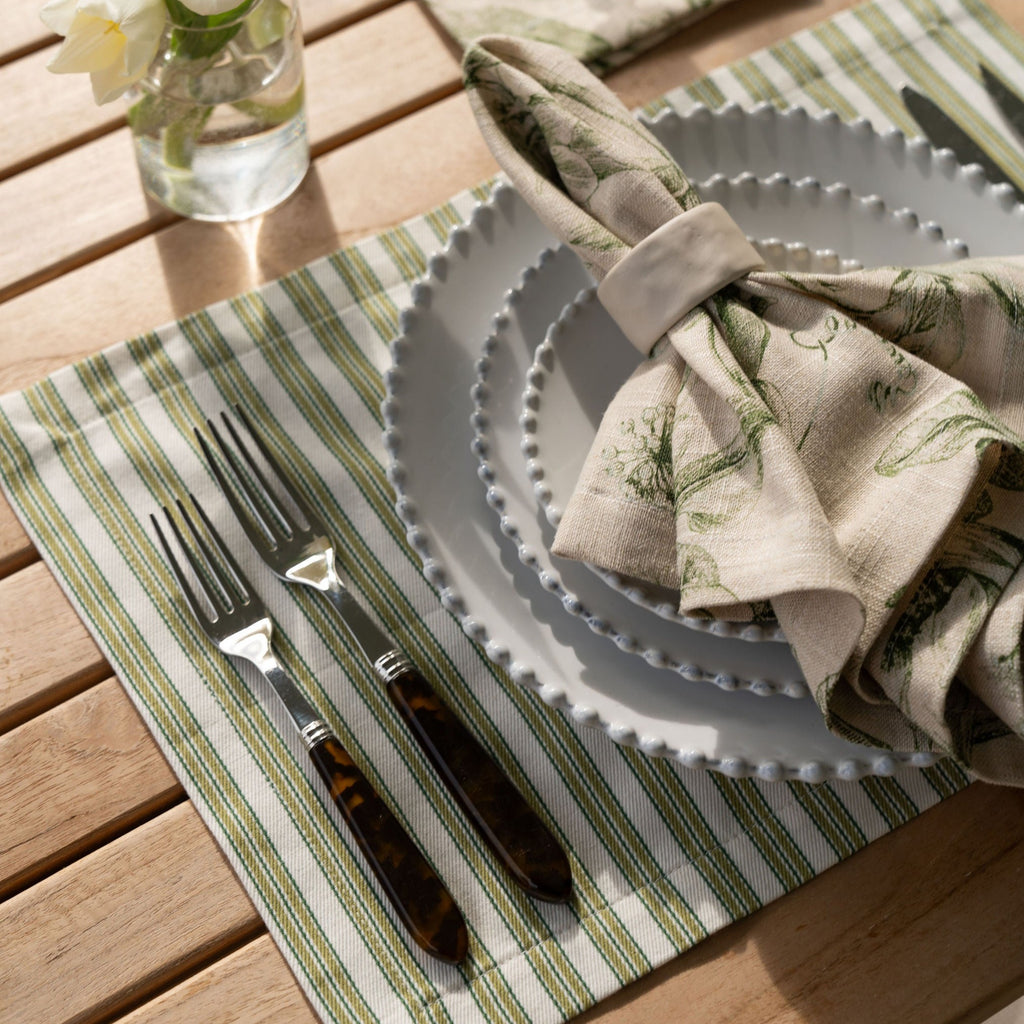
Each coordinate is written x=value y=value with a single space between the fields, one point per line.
x=476 y=571
x=563 y=398
x=905 y=173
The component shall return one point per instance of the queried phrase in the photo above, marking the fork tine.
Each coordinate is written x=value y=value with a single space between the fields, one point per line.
x=234 y=579
x=261 y=533
x=266 y=491
x=282 y=478
x=186 y=587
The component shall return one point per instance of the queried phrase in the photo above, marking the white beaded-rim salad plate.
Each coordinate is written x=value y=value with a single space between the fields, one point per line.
x=563 y=398
x=708 y=652
x=502 y=603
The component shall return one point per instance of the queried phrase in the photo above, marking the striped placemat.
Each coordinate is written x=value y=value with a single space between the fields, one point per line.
x=662 y=856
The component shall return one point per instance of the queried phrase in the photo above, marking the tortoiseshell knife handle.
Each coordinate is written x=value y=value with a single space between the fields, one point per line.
x=423 y=902
x=507 y=823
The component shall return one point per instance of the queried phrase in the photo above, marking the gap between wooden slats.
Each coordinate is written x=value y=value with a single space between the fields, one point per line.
x=373 y=71
x=48 y=654
x=120 y=924
x=24 y=32
x=253 y=981
x=57 y=113
x=79 y=775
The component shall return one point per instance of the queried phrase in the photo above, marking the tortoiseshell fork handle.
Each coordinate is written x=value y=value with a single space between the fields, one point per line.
x=425 y=905
x=507 y=823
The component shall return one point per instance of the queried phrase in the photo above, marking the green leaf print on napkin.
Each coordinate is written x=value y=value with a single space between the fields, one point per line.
x=695 y=477
x=931 y=318
x=511 y=110
x=887 y=394
x=1008 y=298
x=698 y=571
x=928 y=601
x=967 y=579
x=732 y=474
x=583 y=164
x=744 y=325
x=941 y=433
x=644 y=461
x=922 y=311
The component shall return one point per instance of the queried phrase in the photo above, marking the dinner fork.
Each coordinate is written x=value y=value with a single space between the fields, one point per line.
x=305 y=553
x=235 y=620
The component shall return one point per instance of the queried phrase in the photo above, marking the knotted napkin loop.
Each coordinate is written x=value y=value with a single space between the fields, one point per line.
x=673 y=270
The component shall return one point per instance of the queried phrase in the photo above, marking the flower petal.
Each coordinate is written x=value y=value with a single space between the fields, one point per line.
x=133 y=16
x=58 y=15
x=139 y=52
x=91 y=44
x=109 y=83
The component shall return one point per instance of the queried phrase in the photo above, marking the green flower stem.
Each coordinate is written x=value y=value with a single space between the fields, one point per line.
x=182 y=134
x=197 y=36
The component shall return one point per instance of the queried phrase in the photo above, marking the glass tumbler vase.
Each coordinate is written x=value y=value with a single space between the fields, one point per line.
x=218 y=121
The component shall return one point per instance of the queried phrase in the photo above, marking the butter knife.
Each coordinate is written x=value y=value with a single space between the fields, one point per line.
x=944 y=133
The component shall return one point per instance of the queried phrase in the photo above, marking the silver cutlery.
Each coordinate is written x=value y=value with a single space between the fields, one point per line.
x=236 y=621
x=300 y=550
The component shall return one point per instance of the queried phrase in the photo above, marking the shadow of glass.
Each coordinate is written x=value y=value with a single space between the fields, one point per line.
x=204 y=262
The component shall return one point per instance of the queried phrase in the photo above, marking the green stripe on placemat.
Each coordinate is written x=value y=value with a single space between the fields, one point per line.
x=662 y=856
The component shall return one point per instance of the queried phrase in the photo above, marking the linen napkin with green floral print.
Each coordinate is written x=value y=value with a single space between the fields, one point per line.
x=603 y=35
x=845 y=449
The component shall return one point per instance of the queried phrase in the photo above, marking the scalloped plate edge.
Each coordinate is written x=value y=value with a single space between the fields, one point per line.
x=873 y=763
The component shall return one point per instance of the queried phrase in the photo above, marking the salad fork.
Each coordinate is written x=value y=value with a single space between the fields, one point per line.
x=304 y=553
x=237 y=623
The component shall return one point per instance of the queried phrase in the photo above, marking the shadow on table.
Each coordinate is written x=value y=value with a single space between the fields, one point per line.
x=203 y=262
x=737 y=26
x=918 y=926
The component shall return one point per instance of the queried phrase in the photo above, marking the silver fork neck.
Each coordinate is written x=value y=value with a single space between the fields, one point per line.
x=317 y=569
x=253 y=644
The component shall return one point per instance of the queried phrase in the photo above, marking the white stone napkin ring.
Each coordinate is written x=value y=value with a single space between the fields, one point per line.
x=673 y=270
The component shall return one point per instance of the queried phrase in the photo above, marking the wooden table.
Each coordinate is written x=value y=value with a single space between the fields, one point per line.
x=116 y=904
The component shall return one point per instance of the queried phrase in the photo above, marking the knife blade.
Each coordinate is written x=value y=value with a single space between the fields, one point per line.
x=1010 y=105
x=944 y=133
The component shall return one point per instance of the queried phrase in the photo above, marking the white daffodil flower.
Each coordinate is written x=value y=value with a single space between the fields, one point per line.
x=114 y=40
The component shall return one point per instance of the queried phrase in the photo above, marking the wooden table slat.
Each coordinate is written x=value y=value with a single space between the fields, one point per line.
x=23 y=31
x=919 y=927
x=383 y=66
x=103 y=774
x=253 y=984
x=55 y=112
x=39 y=668
x=130 y=918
